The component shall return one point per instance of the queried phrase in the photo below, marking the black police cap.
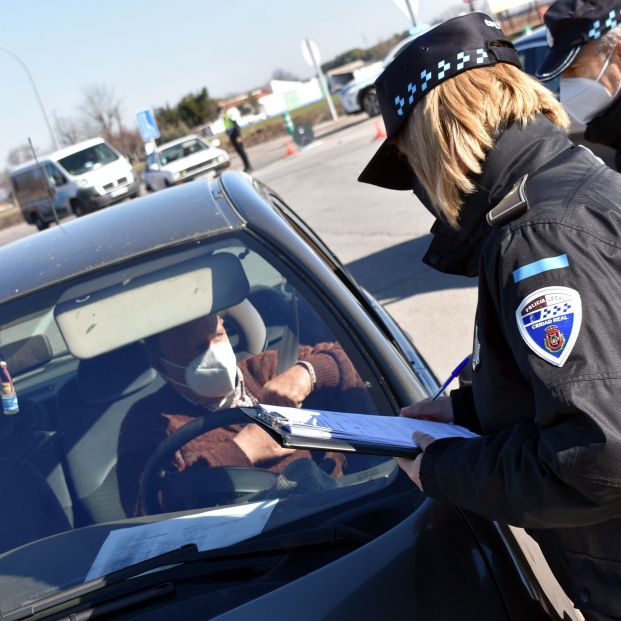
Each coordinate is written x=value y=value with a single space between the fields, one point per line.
x=457 y=45
x=572 y=24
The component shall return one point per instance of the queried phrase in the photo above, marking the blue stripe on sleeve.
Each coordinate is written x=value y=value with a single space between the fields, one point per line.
x=553 y=263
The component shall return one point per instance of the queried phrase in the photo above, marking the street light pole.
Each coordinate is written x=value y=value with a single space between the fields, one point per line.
x=34 y=88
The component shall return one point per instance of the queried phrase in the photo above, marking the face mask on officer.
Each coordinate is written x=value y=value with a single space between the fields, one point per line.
x=585 y=98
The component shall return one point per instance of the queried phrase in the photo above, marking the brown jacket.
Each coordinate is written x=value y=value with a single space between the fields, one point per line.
x=150 y=421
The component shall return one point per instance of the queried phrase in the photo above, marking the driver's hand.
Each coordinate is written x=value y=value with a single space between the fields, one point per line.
x=258 y=445
x=290 y=388
x=440 y=410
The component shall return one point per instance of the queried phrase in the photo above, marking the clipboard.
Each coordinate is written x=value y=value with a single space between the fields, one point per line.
x=276 y=425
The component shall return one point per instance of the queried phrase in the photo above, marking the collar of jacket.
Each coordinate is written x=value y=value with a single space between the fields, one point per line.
x=518 y=151
x=606 y=128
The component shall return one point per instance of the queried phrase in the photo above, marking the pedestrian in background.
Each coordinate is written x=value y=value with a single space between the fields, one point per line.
x=233 y=131
x=485 y=149
x=585 y=51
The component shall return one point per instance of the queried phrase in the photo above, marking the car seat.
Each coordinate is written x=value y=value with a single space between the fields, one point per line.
x=91 y=410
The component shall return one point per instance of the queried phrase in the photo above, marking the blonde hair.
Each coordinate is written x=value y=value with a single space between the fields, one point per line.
x=448 y=134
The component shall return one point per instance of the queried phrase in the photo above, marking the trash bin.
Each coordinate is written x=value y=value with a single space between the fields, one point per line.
x=303 y=134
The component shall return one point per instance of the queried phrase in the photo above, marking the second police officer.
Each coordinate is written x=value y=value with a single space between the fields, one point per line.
x=484 y=147
x=585 y=40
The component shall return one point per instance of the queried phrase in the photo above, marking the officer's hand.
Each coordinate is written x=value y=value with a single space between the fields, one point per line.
x=411 y=467
x=440 y=410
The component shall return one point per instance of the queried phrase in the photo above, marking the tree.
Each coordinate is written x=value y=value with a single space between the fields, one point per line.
x=19 y=155
x=103 y=109
x=72 y=130
x=197 y=109
x=285 y=75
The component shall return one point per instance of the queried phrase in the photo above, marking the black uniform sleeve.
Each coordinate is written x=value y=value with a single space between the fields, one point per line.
x=559 y=467
x=464 y=413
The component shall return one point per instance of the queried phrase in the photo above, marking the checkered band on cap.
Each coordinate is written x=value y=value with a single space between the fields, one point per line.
x=444 y=69
x=602 y=26
x=455 y=46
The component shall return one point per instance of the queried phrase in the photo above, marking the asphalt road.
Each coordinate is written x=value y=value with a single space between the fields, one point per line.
x=380 y=235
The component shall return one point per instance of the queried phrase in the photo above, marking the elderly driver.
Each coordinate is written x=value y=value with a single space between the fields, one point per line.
x=202 y=374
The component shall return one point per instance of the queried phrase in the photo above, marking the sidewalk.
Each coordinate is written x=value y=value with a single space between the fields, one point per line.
x=267 y=153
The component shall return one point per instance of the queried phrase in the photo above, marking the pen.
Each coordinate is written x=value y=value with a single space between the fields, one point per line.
x=456 y=371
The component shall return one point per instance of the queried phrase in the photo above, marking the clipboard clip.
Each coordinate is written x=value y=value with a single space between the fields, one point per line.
x=271 y=419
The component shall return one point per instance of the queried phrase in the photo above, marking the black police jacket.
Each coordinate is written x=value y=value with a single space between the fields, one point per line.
x=606 y=129
x=546 y=388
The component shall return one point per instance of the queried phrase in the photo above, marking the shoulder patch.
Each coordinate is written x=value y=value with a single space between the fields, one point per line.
x=512 y=206
x=549 y=322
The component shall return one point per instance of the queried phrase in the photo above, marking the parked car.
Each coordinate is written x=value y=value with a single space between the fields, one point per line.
x=359 y=94
x=533 y=49
x=81 y=178
x=182 y=160
x=78 y=306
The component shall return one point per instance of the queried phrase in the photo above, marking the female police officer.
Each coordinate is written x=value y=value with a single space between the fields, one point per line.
x=484 y=148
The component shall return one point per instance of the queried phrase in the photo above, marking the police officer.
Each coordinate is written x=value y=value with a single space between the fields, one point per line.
x=585 y=51
x=231 y=127
x=484 y=147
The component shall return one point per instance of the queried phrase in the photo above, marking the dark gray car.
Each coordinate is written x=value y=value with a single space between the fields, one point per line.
x=79 y=309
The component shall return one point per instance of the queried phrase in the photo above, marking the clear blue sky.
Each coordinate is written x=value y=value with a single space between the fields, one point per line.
x=152 y=52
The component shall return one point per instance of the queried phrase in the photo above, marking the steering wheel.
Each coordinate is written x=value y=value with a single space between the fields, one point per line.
x=222 y=480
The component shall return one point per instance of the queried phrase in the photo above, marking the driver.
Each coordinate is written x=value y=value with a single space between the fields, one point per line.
x=202 y=374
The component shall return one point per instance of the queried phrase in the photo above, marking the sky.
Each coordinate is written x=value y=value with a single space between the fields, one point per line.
x=152 y=52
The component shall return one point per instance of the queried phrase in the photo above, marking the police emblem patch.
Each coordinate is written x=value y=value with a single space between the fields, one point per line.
x=549 y=322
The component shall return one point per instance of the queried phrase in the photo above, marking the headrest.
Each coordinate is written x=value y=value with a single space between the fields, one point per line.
x=26 y=354
x=251 y=324
x=114 y=375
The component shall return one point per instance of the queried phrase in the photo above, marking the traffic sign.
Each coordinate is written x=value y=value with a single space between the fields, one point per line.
x=310 y=53
x=147 y=125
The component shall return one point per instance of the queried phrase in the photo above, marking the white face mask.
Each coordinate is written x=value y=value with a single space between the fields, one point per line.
x=211 y=374
x=585 y=98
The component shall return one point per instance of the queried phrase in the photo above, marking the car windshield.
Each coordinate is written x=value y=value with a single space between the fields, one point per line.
x=102 y=371
x=88 y=159
x=183 y=149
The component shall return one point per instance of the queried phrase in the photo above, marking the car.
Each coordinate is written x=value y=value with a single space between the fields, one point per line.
x=79 y=310
x=532 y=49
x=79 y=179
x=182 y=160
x=358 y=95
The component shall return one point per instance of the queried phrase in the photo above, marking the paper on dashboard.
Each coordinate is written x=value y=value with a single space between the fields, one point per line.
x=209 y=530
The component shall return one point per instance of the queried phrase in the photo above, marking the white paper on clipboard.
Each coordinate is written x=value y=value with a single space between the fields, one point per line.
x=367 y=428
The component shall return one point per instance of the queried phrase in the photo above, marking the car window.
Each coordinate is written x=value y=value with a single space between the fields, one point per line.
x=183 y=149
x=88 y=159
x=103 y=370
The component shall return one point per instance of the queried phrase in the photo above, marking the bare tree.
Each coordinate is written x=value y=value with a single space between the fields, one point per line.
x=103 y=108
x=19 y=155
x=72 y=130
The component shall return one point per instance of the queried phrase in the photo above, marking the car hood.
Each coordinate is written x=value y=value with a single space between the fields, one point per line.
x=194 y=159
x=108 y=173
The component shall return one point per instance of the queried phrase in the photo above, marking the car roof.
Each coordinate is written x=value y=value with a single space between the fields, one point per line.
x=172 y=143
x=113 y=235
x=535 y=37
x=58 y=154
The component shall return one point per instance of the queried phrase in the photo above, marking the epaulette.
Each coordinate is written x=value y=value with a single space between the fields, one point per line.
x=512 y=206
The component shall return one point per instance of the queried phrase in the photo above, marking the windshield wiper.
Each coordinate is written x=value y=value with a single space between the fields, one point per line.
x=319 y=538
x=173 y=557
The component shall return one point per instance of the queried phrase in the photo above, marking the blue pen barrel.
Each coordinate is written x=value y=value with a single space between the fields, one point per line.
x=456 y=371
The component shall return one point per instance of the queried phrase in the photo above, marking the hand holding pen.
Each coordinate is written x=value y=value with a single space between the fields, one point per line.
x=435 y=409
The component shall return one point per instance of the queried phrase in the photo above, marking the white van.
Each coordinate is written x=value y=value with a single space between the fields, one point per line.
x=82 y=178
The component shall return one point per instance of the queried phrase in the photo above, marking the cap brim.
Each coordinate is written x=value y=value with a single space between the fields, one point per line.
x=556 y=63
x=388 y=168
